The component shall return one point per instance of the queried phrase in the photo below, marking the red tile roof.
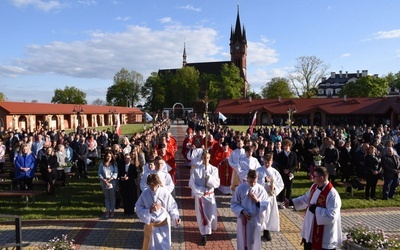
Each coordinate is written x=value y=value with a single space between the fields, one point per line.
x=50 y=108
x=310 y=105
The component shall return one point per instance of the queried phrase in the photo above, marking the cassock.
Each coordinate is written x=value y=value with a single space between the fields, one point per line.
x=186 y=146
x=245 y=165
x=249 y=231
x=195 y=156
x=164 y=176
x=329 y=217
x=270 y=217
x=220 y=158
x=157 y=231
x=202 y=182
x=170 y=160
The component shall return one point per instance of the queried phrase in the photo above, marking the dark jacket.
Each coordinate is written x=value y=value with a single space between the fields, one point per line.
x=389 y=164
x=286 y=162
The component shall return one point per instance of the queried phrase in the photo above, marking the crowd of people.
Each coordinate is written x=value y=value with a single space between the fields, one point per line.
x=256 y=168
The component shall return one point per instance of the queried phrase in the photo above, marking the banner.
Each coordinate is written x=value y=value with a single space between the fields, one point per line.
x=221 y=116
x=149 y=117
x=253 y=123
x=118 y=127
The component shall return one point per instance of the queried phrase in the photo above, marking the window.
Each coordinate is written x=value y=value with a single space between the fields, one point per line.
x=320 y=91
x=328 y=84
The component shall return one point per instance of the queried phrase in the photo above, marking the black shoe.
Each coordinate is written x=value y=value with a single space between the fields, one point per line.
x=374 y=198
x=267 y=235
x=204 y=240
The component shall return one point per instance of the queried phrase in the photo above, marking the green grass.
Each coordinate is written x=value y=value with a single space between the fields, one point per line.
x=126 y=129
x=87 y=200
x=302 y=182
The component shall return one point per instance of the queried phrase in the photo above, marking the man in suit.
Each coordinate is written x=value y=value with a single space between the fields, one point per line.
x=11 y=145
x=391 y=173
x=286 y=162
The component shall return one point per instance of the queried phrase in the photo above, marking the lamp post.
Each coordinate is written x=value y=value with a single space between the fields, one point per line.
x=291 y=110
x=78 y=109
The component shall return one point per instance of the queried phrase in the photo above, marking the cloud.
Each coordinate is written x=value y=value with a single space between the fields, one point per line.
x=38 y=4
x=87 y=2
x=260 y=54
x=104 y=54
x=165 y=20
x=259 y=77
x=387 y=34
x=10 y=71
x=189 y=7
x=124 y=19
x=345 y=55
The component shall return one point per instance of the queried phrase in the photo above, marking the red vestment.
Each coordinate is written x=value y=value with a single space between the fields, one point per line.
x=220 y=160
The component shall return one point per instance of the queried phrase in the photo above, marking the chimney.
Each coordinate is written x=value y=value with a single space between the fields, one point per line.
x=333 y=75
x=340 y=72
x=279 y=98
x=347 y=74
x=364 y=72
x=250 y=99
x=345 y=98
x=358 y=73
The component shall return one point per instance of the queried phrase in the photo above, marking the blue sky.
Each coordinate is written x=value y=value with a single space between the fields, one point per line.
x=49 y=44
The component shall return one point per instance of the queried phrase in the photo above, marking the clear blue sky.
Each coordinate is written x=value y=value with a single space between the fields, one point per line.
x=49 y=44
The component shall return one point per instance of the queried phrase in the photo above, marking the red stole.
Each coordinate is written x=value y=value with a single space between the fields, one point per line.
x=318 y=230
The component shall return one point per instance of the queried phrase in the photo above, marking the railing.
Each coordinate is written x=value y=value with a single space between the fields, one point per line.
x=18 y=232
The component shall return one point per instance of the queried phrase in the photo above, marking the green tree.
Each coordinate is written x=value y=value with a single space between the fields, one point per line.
x=125 y=90
x=228 y=85
x=2 y=97
x=253 y=95
x=69 y=95
x=99 y=102
x=154 y=92
x=393 y=80
x=366 y=86
x=184 y=87
x=306 y=75
x=278 y=86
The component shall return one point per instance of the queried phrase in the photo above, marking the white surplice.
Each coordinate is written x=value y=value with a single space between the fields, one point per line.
x=203 y=192
x=329 y=217
x=270 y=220
x=161 y=236
x=165 y=179
x=245 y=164
x=249 y=235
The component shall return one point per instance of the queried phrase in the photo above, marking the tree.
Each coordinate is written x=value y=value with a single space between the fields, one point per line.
x=277 y=87
x=154 y=92
x=99 y=102
x=253 y=95
x=125 y=90
x=2 y=97
x=184 y=87
x=306 y=75
x=393 y=80
x=70 y=95
x=366 y=86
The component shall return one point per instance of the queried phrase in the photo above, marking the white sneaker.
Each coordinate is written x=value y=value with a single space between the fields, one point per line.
x=281 y=206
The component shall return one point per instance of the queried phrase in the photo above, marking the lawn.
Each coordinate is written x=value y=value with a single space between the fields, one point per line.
x=87 y=200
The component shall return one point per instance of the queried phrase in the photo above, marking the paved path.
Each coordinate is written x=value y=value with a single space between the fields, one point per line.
x=127 y=233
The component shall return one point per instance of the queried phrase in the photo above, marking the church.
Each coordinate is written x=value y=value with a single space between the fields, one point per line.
x=238 y=51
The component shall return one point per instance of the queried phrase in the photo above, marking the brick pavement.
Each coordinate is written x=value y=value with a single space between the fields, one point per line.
x=127 y=233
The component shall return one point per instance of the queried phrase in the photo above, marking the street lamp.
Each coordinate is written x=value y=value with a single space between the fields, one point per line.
x=78 y=109
x=291 y=110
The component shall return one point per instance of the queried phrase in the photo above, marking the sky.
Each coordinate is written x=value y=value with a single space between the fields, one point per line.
x=50 y=44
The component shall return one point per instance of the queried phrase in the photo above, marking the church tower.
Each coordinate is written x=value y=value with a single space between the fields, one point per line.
x=238 y=50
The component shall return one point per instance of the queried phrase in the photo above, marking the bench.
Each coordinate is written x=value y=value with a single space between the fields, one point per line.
x=349 y=187
x=21 y=193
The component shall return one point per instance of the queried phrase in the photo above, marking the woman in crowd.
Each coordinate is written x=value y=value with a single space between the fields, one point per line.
x=372 y=172
x=108 y=174
x=48 y=168
x=25 y=167
x=92 y=150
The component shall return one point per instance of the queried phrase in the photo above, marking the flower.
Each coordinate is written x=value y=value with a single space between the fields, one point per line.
x=368 y=238
x=318 y=157
x=59 y=244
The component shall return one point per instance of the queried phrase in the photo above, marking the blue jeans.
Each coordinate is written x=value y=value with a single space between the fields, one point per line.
x=390 y=186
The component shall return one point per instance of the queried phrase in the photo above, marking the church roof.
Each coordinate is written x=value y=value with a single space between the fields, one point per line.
x=15 y=108
x=203 y=67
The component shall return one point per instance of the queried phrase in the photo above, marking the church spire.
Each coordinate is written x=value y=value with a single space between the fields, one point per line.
x=184 y=55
